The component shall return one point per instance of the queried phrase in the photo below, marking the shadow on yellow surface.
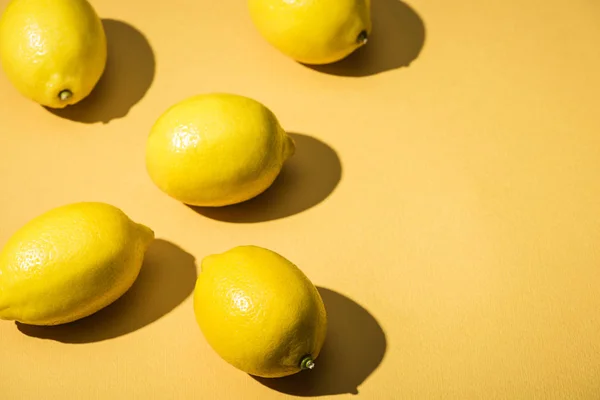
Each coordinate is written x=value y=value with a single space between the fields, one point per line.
x=396 y=41
x=354 y=348
x=306 y=179
x=167 y=278
x=128 y=76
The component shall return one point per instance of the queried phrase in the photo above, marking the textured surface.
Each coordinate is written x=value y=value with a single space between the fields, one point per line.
x=216 y=149
x=53 y=51
x=70 y=262
x=449 y=210
x=312 y=31
x=259 y=311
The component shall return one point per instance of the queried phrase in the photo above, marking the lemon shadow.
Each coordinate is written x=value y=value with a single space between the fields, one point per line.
x=397 y=39
x=308 y=178
x=166 y=279
x=130 y=69
x=354 y=347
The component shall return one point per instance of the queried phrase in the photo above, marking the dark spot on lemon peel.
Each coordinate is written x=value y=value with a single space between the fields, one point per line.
x=65 y=95
x=307 y=363
x=363 y=38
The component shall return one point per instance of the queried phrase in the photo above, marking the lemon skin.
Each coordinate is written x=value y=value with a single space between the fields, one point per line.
x=259 y=312
x=313 y=31
x=52 y=51
x=216 y=149
x=70 y=262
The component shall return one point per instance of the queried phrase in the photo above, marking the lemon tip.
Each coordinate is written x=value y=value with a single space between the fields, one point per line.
x=289 y=147
x=65 y=95
x=146 y=233
x=307 y=363
x=363 y=38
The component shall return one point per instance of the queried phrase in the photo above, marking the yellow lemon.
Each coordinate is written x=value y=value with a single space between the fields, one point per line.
x=260 y=312
x=53 y=51
x=216 y=149
x=313 y=31
x=70 y=262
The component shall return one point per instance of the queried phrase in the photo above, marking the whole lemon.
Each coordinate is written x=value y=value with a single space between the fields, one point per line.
x=70 y=262
x=216 y=149
x=54 y=52
x=313 y=31
x=259 y=312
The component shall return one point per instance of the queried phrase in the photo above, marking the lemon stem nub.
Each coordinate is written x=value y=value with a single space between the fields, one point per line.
x=307 y=363
x=363 y=37
x=65 y=95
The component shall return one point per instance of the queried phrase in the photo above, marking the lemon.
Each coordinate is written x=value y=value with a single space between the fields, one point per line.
x=216 y=149
x=53 y=51
x=70 y=262
x=313 y=31
x=259 y=312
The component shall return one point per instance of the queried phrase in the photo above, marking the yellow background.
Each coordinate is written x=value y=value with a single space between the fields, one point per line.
x=445 y=197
